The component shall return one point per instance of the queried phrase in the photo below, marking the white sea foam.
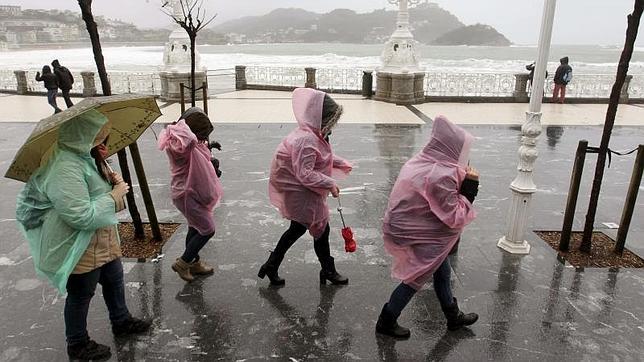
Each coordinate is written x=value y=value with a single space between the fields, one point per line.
x=585 y=60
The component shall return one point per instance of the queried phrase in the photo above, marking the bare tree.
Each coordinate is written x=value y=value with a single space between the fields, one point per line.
x=192 y=20
x=622 y=71
x=88 y=17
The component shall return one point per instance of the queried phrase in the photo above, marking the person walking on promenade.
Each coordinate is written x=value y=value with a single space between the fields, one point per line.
x=430 y=204
x=51 y=84
x=67 y=211
x=301 y=179
x=563 y=76
x=195 y=187
x=65 y=81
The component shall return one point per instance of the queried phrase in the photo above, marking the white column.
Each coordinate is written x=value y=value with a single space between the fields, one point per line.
x=400 y=55
x=523 y=185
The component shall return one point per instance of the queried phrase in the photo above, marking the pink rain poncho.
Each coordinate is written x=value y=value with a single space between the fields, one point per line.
x=195 y=187
x=303 y=166
x=426 y=213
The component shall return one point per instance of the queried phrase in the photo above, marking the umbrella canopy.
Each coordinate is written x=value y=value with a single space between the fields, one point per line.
x=129 y=116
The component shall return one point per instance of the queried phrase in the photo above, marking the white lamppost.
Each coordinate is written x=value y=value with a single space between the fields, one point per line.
x=400 y=53
x=523 y=185
x=176 y=56
x=400 y=79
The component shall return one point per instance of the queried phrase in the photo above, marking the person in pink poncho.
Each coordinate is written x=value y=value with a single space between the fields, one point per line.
x=195 y=187
x=301 y=179
x=430 y=204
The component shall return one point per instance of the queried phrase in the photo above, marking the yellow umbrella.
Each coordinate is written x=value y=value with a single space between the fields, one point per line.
x=128 y=114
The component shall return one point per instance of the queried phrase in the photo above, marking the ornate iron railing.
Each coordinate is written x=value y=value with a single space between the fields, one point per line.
x=469 y=84
x=141 y=83
x=276 y=76
x=339 y=79
x=8 y=80
x=586 y=86
x=34 y=86
x=220 y=80
x=344 y=79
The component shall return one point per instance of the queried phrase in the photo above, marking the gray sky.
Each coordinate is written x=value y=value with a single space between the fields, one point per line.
x=577 y=21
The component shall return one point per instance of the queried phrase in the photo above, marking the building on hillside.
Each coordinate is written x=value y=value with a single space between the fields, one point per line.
x=10 y=10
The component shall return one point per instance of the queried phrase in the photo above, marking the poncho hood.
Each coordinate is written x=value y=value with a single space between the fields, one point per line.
x=307 y=108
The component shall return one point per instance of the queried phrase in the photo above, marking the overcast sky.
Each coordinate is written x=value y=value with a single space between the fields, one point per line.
x=577 y=21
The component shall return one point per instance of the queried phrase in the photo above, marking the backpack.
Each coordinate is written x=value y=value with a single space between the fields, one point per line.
x=567 y=77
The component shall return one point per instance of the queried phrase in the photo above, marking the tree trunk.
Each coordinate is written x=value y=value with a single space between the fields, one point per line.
x=86 y=11
x=622 y=70
x=193 y=89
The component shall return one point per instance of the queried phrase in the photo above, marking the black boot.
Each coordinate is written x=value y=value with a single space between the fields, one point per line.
x=131 y=326
x=388 y=325
x=88 y=351
x=329 y=273
x=457 y=319
x=270 y=269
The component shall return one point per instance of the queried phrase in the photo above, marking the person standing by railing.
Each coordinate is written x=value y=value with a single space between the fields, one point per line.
x=65 y=81
x=51 y=84
x=563 y=76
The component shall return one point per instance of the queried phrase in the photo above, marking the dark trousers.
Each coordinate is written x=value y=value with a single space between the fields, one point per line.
x=68 y=100
x=194 y=243
x=294 y=232
x=80 y=290
x=442 y=287
x=51 y=99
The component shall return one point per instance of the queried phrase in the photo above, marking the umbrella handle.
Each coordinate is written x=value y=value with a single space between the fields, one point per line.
x=340 y=211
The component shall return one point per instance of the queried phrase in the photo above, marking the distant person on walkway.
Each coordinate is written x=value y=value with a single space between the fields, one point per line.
x=530 y=67
x=65 y=81
x=51 y=84
x=67 y=211
x=429 y=205
x=195 y=187
x=301 y=178
x=563 y=76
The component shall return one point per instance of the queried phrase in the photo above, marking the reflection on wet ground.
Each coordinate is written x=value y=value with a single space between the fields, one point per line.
x=531 y=307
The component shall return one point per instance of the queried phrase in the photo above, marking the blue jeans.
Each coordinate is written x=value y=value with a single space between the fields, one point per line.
x=80 y=290
x=401 y=296
x=194 y=243
x=442 y=283
x=51 y=99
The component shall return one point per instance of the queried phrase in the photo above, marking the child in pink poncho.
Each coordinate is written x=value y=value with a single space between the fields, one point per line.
x=196 y=189
x=301 y=180
x=430 y=204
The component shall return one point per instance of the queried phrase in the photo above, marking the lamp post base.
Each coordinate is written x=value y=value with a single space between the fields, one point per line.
x=513 y=247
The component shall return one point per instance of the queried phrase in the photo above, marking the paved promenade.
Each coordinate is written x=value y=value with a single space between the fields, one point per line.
x=532 y=308
x=275 y=107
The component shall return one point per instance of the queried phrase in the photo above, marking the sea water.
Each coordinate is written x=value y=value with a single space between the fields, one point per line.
x=441 y=59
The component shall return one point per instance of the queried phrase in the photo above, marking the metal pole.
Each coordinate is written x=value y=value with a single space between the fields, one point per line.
x=523 y=185
x=631 y=197
x=573 y=193
x=183 y=99
x=204 y=89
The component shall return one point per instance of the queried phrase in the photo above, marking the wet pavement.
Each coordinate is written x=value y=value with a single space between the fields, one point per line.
x=531 y=307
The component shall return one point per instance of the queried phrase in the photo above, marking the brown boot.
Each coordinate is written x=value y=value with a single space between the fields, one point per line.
x=200 y=268
x=183 y=269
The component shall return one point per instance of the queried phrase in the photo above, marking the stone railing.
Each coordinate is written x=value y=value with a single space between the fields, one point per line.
x=455 y=87
x=336 y=80
x=469 y=84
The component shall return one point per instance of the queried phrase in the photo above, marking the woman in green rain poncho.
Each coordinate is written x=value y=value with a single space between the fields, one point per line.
x=67 y=211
